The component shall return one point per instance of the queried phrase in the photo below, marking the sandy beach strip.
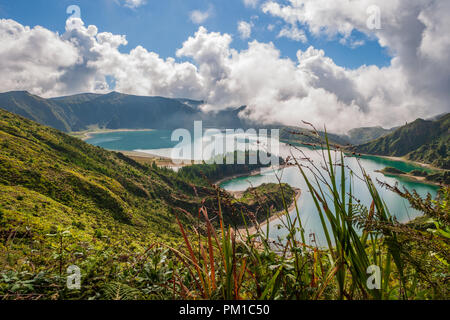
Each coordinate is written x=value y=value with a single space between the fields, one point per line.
x=161 y=160
x=85 y=135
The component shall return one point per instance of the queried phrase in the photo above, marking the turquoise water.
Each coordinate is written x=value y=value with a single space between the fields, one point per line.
x=159 y=142
x=404 y=166
x=308 y=212
x=133 y=140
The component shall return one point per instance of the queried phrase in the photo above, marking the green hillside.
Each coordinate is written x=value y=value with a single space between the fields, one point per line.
x=51 y=182
x=35 y=108
x=422 y=140
x=363 y=135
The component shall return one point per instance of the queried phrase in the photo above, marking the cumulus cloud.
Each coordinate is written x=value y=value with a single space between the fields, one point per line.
x=414 y=31
x=275 y=89
x=48 y=64
x=34 y=59
x=245 y=29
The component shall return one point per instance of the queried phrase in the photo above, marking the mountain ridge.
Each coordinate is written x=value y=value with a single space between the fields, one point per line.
x=115 y=111
x=421 y=140
x=358 y=136
x=425 y=141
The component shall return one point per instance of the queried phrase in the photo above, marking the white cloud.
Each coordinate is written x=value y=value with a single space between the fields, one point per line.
x=414 y=31
x=33 y=59
x=276 y=89
x=293 y=33
x=134 y=3
x=199 y=17
x=251 y=3
x=245 y=29
x=281 y=90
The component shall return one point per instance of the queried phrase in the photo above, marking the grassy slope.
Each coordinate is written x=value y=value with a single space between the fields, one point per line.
x=100 y=189
x=270 y=195
x=38 y=109
x=51 y=182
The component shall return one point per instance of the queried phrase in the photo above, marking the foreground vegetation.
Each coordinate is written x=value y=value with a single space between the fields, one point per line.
x=66 y=203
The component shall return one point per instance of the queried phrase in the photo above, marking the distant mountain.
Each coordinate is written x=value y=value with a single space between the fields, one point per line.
x=422 y=140
x=121 y=111
x=195 y=104
x=36 y=108
x=363 y=135
x=115 y=111
x=298 y=135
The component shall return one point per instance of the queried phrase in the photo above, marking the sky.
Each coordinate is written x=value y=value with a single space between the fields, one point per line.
x=339 y=63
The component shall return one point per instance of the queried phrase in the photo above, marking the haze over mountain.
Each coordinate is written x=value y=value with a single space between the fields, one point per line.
x=363 y=135
x=116 y=111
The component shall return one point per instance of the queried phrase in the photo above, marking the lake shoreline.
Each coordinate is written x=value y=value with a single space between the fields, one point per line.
x=87 y=134
x=410 y=177
x=253 y=173
x=392 y=158
x=168 y=162
x=160 y=160
x=275 y=216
